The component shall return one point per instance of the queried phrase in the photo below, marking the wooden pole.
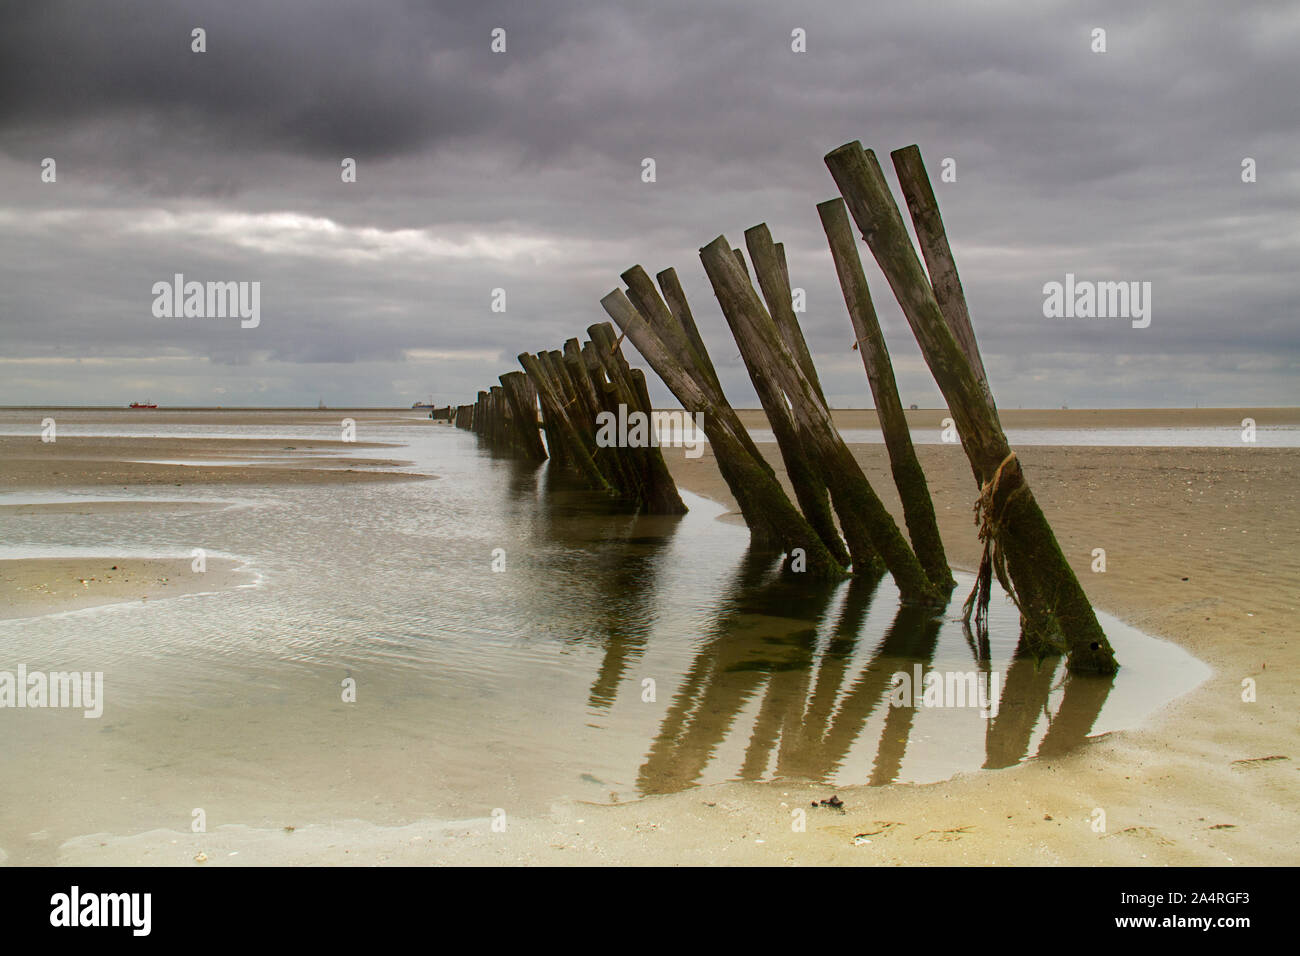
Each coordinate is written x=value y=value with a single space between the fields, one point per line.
x=700 y=364
x=566 y=433
x=499 y=430
x=909 y=479
x=1014 y=526
x=588 y=403
x=770 y=268
x=656 y=489
x=944 y=280
x=774 y=522
x=523 y=403
x=555 y=444
x=675 y=299
x=866 y=522
x=480 y=413
x=607 y=395
x=802 y=466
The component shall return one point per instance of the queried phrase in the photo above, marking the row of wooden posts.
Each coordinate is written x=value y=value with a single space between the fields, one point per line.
x=575 y=388
x=836 y=521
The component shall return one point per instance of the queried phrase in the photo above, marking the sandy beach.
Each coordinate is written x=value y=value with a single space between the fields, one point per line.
x=105 y=462
x=1200 y=547
x=1200 y=551
x=32 y=586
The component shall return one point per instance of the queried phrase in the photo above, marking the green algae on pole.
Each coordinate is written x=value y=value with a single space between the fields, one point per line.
x=1014 y=527
x=909 y=479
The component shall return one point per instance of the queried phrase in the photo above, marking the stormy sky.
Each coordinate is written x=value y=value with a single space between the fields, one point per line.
x=522 y=170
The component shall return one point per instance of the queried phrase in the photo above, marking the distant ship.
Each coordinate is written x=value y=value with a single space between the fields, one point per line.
x=428 y=404
x=143 y=405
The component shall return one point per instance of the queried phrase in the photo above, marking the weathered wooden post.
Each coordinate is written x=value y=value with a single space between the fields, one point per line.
x=774 y=523
x=480 y=413
x=1017 y=536
x=655 y=488
x=909 y=479
x=498 y=427
x=596 y=397
x=562 y=429
x=555 y=443
x=801 y=462
x=590 y=399
x=867 y=525
x=944 y=281
x=629 y=478
x=802 y=465
x=700 y=363
x=675 y=298
x=770 y=269
x=523 y=404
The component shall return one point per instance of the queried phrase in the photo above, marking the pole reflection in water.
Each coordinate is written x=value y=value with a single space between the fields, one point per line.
x=776 y=649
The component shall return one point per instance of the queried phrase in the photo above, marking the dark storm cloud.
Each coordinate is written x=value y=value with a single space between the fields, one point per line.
x=521 y=171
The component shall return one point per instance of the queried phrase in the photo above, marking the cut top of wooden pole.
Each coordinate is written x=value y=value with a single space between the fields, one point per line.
x=872 y=206
x=1012 y=525
x=643 y=294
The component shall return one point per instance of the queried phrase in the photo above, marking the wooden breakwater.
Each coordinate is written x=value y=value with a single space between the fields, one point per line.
x=836 y=522
x=580 y=391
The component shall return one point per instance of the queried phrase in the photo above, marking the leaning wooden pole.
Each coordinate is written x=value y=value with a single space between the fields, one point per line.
x=587 y=405
x=768 y=258
x=675 y=297
x=774 y=523
x=944 y=280
x=802 y=466
x=861 y=513
x=1017 y=536
x=563 y=429
x=909 y=479
x=499 y=435
x=523 y=403
x=657 y=491
x=480 y=413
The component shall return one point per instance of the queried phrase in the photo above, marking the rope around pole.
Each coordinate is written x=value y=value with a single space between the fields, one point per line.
x=989 y=520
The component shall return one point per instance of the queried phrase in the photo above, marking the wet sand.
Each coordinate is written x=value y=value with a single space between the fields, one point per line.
x=1200 y=547
x=846 y=418
x=1200 y=550
x=32 y=586
x=79 y=463
x=85 y=462
x=96 y=506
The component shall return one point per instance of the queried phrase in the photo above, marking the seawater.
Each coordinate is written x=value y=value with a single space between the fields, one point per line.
x=611 y=658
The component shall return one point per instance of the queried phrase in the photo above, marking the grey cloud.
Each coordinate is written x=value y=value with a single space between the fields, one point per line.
x=1119 y=166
